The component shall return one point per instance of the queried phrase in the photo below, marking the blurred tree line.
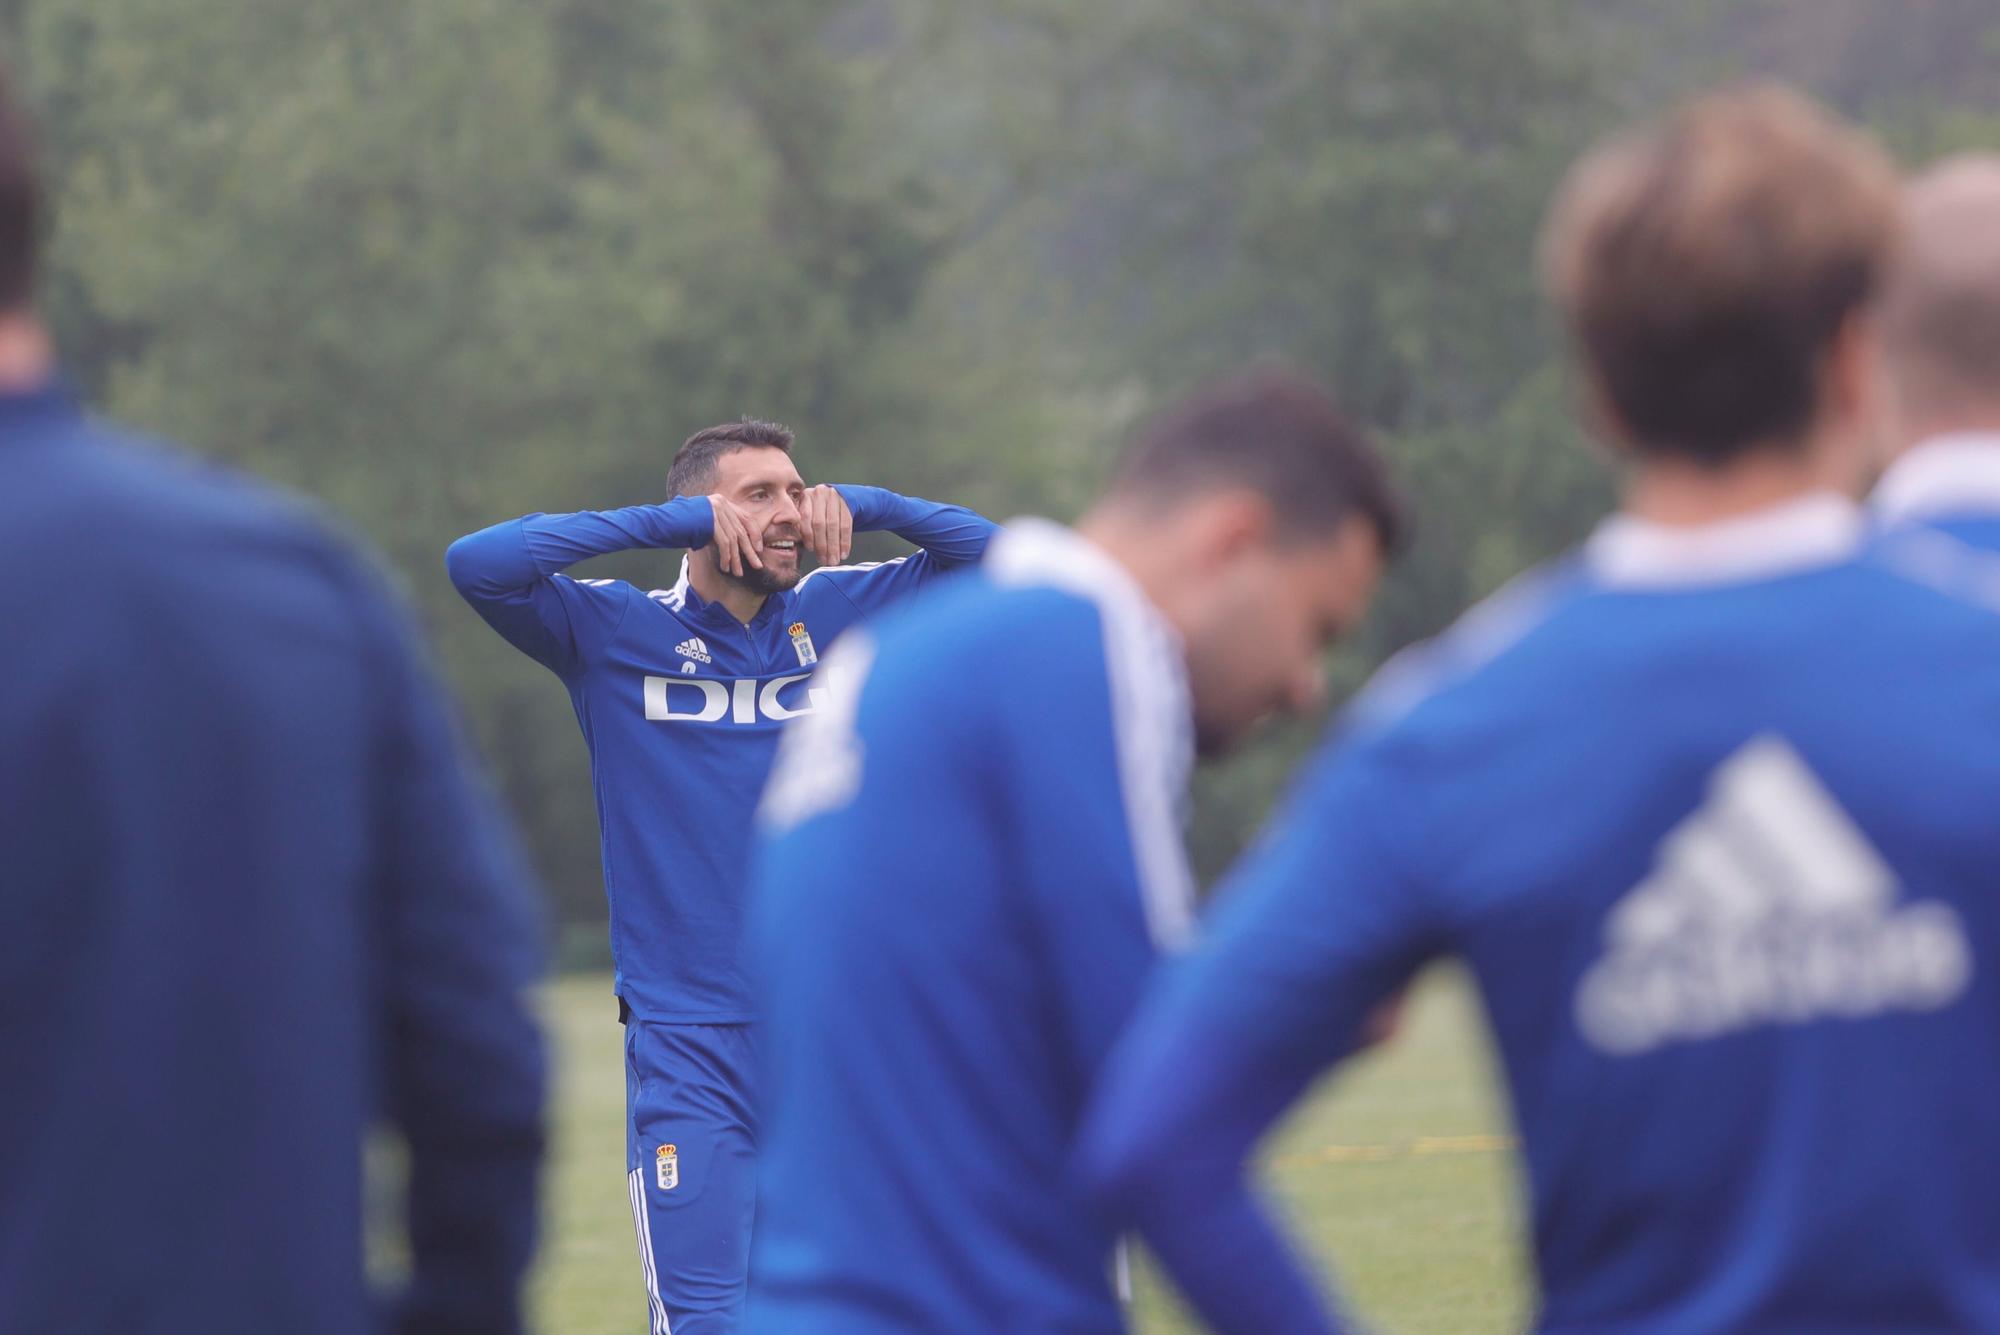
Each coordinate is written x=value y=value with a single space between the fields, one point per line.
x=444 y=263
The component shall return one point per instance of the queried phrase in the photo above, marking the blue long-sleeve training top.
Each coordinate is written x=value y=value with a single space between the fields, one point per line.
x=249 y=905
x=680 y=705
x=1709 y=814
x=971 y=859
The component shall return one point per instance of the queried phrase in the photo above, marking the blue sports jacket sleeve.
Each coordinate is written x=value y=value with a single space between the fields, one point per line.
x=949 y=536
x=508 y=573
x=1228 y=1257
x=1317 y=928
x=1074 y=802
x=458 y=945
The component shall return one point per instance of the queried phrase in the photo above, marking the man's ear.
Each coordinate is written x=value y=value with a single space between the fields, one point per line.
x=1228 y=523
x=1851 y=372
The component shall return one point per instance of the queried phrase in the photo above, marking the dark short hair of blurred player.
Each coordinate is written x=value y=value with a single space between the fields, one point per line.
x=1707 y=808
x=1941 y=337
x=1268 y=464
x=973 y=855
x=252 y=902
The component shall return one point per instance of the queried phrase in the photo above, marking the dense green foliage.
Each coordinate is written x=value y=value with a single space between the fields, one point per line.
x=447 y=262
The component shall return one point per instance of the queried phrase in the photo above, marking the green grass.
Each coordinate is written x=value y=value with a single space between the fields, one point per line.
x=1397 y=1172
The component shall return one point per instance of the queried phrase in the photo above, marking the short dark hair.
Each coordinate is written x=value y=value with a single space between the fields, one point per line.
x=20 y=203
x=693 y=470
x=1705 y=264
x=1278 y=434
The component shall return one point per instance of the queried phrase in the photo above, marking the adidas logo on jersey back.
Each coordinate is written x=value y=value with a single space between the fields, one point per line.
x=695 y=648
x=1766 y=906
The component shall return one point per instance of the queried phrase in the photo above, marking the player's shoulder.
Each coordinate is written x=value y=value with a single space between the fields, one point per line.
x=144 y=484
x=1530 y=657
x=838 y=579
x=617 y=592
x=1939 y=593
x=144 y=535
x=122 y=492
x=673 y=598
x=975 y=626
x=1980 y=532
x=832 y=598
x=1520 y=622
x=1956 y=564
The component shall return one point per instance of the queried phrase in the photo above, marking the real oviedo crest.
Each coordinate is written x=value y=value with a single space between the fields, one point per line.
x=802 y=644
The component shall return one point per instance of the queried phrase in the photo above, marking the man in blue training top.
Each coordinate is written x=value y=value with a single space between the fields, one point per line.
x=681 y=693
x=251 y=904
x=974 y=854
x=1941 y=337
x=1707 y=809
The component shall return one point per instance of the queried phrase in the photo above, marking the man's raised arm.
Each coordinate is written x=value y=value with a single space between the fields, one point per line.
x=948 y=536
x=951 y=534
x=509 y=573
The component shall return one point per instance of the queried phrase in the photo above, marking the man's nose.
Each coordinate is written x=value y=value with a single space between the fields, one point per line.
x=788 y=511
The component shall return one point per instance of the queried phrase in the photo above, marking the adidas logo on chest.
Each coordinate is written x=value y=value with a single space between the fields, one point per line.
x=1766 y=906
x=694 y=648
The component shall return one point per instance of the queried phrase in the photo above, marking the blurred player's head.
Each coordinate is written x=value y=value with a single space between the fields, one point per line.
x=26 y=356
x=1941 y=309
x=749 y=464
x=20 y=207
x=1715 y=270
x=1258 y=519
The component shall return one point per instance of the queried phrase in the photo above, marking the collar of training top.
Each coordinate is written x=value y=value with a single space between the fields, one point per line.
x=1956 y=475
x=683 y=599
x=1821 y=528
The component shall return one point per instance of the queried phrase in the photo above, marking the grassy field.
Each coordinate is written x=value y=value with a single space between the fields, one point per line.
x=1399 y=1172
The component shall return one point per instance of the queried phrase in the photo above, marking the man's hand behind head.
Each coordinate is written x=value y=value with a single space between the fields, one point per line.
x=829 y=524
x=735 y=542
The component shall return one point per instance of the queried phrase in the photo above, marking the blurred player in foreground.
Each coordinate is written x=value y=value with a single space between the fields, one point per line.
x=250 y=901
x=1941 y=332
x=1708 y=809
x=681 y=693
x=974 y=854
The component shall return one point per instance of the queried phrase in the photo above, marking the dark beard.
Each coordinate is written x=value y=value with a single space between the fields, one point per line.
x=764 y=582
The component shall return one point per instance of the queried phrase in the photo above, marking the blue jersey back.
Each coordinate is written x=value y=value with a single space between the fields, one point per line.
x=681 y=705
x=972 y=854
x=251 y=907
x=1719 y=846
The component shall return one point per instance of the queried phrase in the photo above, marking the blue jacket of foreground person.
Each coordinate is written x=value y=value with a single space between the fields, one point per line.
x=971 y=858
x=1708 y=812
x=249 y=904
